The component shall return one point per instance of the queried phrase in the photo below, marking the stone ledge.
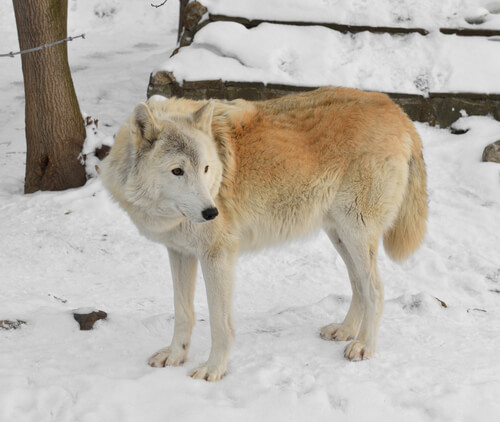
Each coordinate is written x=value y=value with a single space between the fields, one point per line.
x=440 y=109
x=191 y=21
x=252 y=23
x=353 y=29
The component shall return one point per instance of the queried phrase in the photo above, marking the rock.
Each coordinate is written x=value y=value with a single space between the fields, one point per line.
x=193 y=14
x=11 y=325
x=102 y=152
x=456 y=131
x=87 y=320
x=190 y=18
x=440 y=108
x=492 y=152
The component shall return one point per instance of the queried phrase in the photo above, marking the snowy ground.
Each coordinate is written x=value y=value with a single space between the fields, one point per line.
x=74 y=249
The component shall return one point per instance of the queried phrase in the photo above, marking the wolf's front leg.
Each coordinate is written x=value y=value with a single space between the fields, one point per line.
x=218 y=270
x=183 y=268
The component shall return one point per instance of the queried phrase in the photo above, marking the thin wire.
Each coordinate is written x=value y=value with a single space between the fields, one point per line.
x=41 y=47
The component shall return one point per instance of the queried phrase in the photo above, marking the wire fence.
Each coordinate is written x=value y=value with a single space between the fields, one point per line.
x=41 y=47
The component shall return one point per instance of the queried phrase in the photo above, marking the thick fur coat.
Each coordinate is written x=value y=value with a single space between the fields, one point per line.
x=210 y=179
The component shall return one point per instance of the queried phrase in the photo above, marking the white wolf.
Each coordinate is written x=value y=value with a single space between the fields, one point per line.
x=210 y=179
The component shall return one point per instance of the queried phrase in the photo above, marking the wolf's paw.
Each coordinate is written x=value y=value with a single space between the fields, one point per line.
x=357 y=350
x=167 y=357
x=336 y=332
x=208 y=373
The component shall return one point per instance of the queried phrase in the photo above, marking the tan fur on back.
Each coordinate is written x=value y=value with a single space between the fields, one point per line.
x=297 y=149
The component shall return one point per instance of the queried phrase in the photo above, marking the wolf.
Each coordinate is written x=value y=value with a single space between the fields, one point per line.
x=212 y=179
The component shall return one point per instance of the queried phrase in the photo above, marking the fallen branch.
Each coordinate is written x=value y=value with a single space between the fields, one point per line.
x=41 y=47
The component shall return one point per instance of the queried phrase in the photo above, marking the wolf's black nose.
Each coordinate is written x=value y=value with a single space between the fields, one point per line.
x=210 y=213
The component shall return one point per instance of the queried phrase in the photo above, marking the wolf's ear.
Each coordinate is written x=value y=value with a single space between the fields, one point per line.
x=202 y=119
x=146 y=123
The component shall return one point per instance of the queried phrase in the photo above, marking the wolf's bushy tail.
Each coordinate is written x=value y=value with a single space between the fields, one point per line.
x=408 y=231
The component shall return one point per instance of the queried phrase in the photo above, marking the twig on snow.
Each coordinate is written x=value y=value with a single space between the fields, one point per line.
x=159 y=5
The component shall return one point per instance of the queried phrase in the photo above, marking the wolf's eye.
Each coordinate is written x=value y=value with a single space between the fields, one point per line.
x=178 y=172
x=206 y=169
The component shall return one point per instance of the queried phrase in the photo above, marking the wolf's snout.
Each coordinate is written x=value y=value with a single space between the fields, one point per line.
x=210 y=213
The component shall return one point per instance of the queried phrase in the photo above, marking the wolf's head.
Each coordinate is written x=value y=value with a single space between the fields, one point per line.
x=165 y=164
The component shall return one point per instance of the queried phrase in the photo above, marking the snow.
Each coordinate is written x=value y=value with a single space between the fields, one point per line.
x=315 y=56
x=95 y=139
x=64 y=251
x=428 y=14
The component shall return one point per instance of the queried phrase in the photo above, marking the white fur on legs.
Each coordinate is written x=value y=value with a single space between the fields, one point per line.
x=373 y=292
x=183 y=269
x=361 y=323
x=218 y=269
x=364 y=255
x=349 y=328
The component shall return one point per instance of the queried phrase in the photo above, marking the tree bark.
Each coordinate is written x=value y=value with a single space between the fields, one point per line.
x=182 y=9
x=55 y=131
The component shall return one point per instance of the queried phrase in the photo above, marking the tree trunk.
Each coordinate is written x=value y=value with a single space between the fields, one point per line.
x=182 y=9
x=55 y=131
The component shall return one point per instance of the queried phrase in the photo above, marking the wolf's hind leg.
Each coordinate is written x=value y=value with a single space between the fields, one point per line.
x=349 y=328
x=183 y=268
x=358 y=248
